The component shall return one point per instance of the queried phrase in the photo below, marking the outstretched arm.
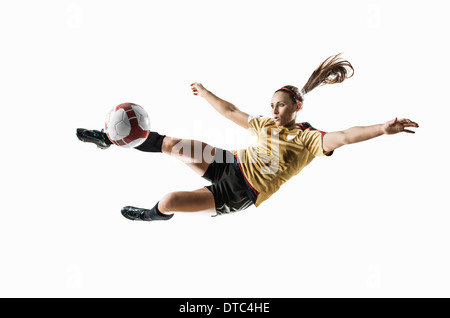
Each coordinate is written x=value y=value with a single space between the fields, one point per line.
x=353 y=135
x=225 y=108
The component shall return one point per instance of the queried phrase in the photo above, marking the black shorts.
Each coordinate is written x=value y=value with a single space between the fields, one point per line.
x=230 y=191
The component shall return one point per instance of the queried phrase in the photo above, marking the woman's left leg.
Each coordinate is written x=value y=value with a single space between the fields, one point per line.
x=188 y=201
x=181 y=201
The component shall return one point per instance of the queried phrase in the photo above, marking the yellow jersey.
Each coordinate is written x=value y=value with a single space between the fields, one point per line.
x=279 y=154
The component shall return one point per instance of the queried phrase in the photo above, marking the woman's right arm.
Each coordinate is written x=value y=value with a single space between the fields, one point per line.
x=225 y=108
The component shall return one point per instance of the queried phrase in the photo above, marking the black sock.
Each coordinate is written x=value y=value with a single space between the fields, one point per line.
x=155 y=214
x=153 y=143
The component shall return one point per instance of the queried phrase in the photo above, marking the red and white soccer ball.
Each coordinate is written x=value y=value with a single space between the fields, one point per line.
x=127 y=125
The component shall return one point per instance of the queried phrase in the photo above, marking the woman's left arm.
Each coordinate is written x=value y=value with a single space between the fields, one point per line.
x=353 y=135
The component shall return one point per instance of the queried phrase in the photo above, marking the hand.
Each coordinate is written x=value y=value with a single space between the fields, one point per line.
x=198 y=89
x=395 y=126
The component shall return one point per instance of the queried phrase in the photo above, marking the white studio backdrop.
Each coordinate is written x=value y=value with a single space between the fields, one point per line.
x=370 y=221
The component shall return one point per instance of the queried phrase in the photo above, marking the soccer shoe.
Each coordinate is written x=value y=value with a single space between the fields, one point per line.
x=97 y=137
x=138 y=214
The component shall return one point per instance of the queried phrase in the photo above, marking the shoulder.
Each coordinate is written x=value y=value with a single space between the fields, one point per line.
x=259 y=121
x=312 y=138
x=250 y=117
x=305 y=126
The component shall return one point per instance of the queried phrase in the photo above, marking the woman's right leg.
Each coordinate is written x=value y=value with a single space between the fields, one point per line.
x=195 y=154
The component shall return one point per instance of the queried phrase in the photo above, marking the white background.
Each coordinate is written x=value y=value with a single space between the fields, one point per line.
x=370 y=221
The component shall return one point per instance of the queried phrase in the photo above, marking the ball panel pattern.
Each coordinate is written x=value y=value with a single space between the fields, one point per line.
x=127 y=125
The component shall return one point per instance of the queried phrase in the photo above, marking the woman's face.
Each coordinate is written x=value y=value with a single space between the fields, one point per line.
x=284 y=111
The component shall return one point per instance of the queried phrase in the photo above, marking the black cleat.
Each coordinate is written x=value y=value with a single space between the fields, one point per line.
x=138 y=214
x=97 y=137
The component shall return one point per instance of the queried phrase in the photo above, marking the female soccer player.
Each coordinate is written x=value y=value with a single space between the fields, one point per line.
x=250 y=176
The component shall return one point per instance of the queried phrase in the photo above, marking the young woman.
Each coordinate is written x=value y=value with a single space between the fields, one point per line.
x=250 y=176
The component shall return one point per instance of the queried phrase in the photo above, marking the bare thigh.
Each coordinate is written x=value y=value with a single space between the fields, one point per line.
x=196 y=154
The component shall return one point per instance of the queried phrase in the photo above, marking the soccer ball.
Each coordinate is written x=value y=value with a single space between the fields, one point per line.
x=127 y=125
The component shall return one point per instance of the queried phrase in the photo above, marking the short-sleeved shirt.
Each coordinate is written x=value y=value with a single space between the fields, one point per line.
x=279 y=154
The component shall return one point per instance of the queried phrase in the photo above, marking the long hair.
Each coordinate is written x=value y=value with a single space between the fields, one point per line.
x=333 y=70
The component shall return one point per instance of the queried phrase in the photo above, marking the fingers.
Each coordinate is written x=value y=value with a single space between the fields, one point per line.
x=198 y=89
x=410 y=125
x=194 y=87
x=399 y=125
x=408 y=122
